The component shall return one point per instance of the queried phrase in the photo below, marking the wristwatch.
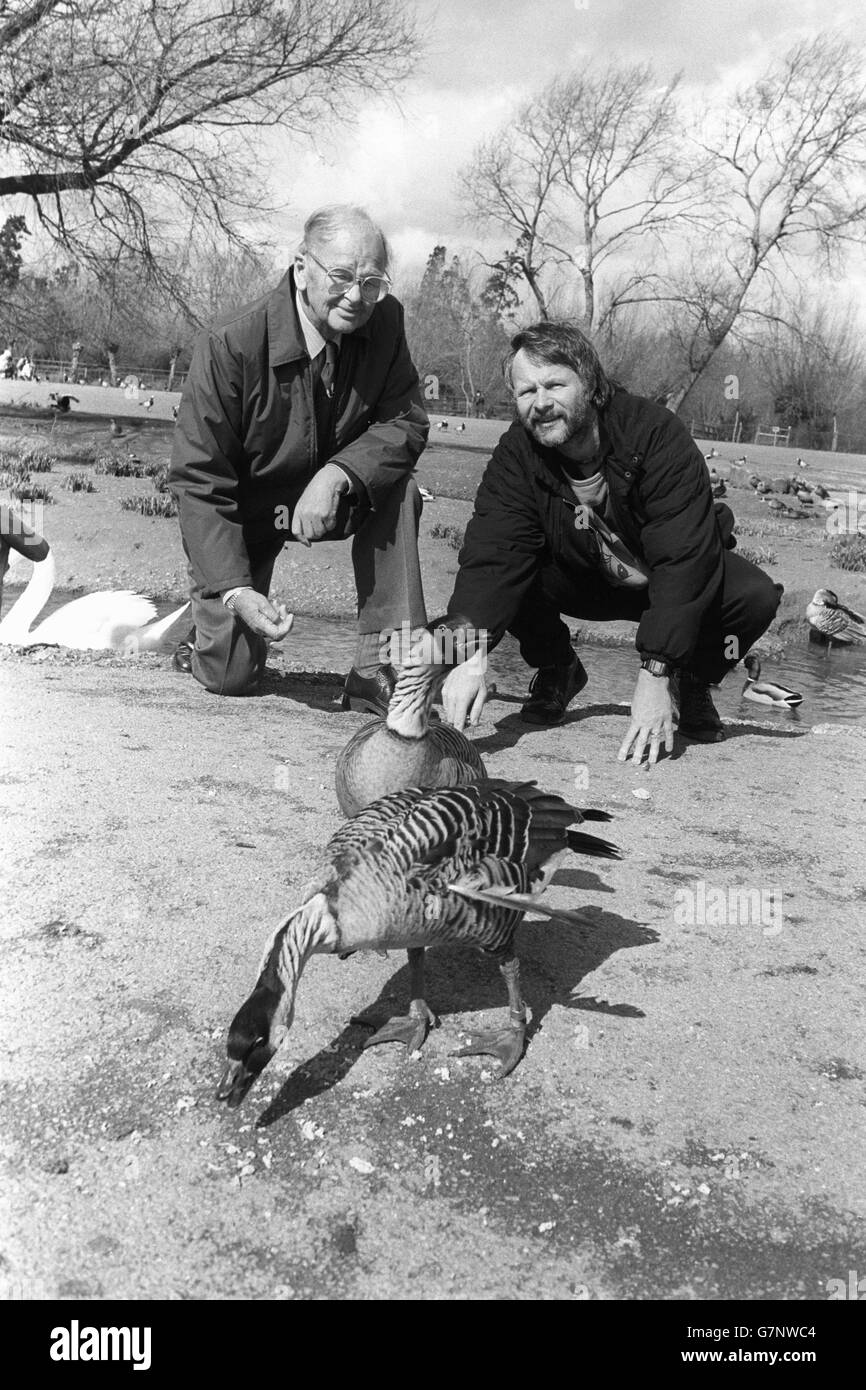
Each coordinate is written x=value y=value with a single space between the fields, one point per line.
x=655 y=668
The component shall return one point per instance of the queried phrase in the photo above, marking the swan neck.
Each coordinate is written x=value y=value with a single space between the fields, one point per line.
x=29 y=605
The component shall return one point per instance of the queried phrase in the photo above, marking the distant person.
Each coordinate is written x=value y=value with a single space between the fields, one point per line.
x=7 y=368
x=25 y=369
x=301 y=419
x=479 y=404
x=596 y=503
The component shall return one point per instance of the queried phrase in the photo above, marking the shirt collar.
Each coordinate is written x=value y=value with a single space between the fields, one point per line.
x=312 y=337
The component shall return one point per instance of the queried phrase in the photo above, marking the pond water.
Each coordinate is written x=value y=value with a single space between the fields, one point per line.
x=831 y=681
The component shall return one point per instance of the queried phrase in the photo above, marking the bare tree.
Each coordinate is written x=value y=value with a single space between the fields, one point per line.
x=813 y=364
x=129 y=125
x=785 y=179
x=585 y=174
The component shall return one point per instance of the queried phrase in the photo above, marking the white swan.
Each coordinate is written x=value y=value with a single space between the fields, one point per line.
x=111 y=619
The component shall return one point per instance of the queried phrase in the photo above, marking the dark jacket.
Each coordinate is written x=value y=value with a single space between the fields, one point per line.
x=245 y=440
x=663 y=509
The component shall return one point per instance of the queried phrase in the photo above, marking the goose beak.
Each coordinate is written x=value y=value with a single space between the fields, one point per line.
x=236 y=1080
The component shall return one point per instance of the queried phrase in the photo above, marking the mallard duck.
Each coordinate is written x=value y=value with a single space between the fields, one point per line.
x=766 y=692
x=413 y=870
x=833 y=620
x=405 y=749
x=108 y=619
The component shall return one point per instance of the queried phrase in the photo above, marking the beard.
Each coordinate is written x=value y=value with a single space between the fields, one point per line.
x=559 y=425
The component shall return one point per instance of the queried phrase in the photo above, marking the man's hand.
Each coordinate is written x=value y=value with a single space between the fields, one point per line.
x=465 y=692
x=652 y=719
x=316 y=512
x=261 y=615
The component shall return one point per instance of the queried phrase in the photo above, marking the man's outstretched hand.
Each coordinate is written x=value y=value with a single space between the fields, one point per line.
x=652 y=719
x=465 y=692
x=316 y=511
x=265 y=618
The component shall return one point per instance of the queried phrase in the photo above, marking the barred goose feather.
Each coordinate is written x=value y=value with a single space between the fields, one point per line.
x=415 y=869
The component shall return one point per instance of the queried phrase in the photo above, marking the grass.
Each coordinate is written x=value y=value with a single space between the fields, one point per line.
x=161 y=505
x=78 y=482
x=452 y=534
x=760 y=555
x=128 y=467
x=32 y=492
x=849 y=553
x=38 y=460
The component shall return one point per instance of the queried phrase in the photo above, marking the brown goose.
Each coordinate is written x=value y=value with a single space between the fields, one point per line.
x=405 y=749
x=417 y=869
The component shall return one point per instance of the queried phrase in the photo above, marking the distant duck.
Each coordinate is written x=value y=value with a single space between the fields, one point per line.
x=805 y=497
x=454 y=867
x=766 y=692
x=713 y=454
x=763 y=487
x=115 y=429
x=148 y=404
x=821 y=492
x=833 y=620
x=718 y=488
x=174 y=412
x=801 y=463
x=754 y=480
x=110 y=619
x=61 y=403
x=743 y=461
x=460 y=428
x=775 y=504
x=425 y=492
x=405 y=749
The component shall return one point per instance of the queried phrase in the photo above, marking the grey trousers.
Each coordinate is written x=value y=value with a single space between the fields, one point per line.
x=228 y=657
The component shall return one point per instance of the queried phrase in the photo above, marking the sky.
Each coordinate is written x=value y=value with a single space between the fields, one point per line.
x=484 y=57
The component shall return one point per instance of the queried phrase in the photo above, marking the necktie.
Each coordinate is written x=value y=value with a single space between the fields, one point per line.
x=324 y=371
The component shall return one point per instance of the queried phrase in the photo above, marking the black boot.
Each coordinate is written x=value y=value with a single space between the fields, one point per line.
x=699 y=718
x=551 y=690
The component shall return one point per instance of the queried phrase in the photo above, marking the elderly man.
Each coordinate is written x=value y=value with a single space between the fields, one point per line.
x=301 y=419
x=597 y=503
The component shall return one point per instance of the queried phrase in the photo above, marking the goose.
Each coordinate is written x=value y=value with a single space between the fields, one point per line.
x=110 y=619
x=833 y=620
x=404 y=749
x=766 y=692
x=416 y=869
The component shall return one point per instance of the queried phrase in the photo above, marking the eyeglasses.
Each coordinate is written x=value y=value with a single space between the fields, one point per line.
x=340 y=281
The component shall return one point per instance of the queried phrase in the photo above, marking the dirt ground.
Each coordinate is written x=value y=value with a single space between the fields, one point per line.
x=687 y=1122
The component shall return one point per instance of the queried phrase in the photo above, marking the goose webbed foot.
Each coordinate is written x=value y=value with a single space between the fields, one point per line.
x=505 y=1043
x=411 y=1030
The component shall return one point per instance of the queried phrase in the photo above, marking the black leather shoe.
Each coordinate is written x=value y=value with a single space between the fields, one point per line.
x=699 y=718
x=182 y=659
x=369 y=694
x=551 y=690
